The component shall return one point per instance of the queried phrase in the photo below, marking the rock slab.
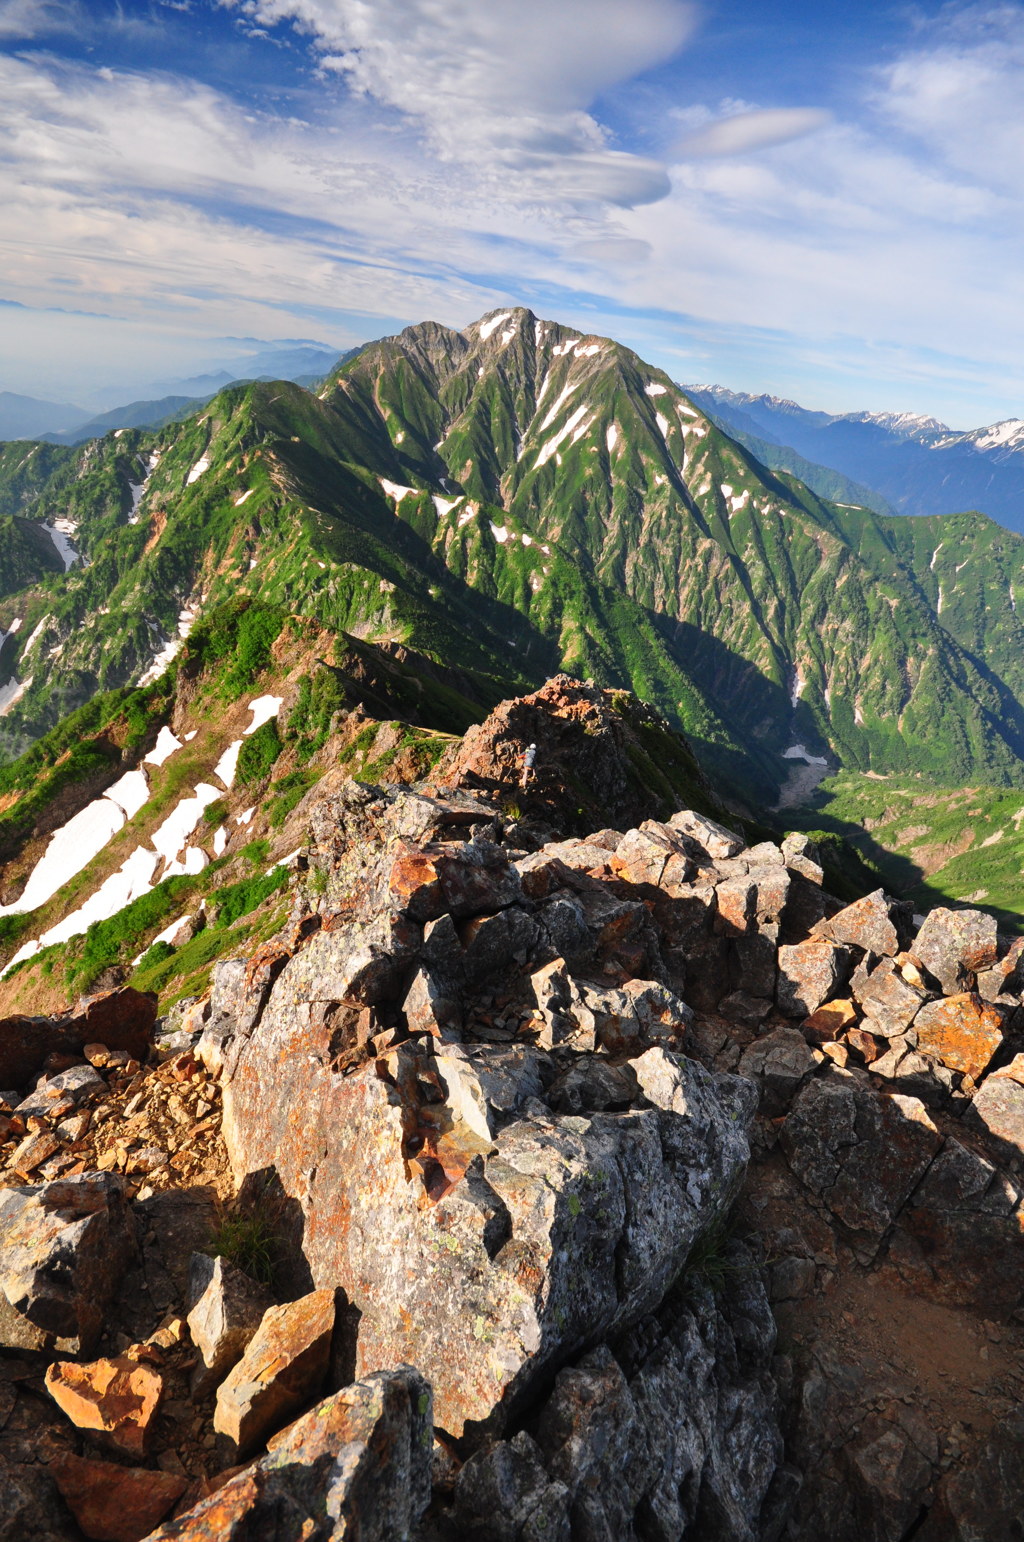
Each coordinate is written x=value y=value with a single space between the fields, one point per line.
x=358 y=1465
x=283 y=1366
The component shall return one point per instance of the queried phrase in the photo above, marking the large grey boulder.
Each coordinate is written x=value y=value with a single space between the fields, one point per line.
x=954 y=945
x=357 y=1465
x=64 y=1249
x=550 y=1233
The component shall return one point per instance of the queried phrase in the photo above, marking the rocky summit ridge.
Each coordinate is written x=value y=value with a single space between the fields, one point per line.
x=546 y=1173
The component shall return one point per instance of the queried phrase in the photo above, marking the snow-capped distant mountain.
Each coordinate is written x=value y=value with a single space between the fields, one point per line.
x=917 y=464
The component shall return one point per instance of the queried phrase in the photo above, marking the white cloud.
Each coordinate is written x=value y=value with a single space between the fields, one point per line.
x=502 y=84
x=745 y=132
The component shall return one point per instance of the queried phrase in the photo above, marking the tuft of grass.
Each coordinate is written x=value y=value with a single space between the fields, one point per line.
x=712 y=1264
x=249 y=1242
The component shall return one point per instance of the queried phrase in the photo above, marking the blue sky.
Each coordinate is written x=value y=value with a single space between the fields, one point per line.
x=822 y=200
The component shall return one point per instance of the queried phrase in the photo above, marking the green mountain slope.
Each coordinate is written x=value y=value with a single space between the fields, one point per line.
x=516 y=499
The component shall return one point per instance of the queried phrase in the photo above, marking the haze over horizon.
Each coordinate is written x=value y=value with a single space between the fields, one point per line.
x=823 y=202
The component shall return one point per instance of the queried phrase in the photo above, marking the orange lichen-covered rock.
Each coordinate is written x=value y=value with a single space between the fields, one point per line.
x=963 y=1032
x=283 y=1366
x=117 y=1398
x=112 y=1503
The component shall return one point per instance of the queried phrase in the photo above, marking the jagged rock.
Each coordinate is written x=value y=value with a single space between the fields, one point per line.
x=226 y=1308
x=772 y=884
x=357 y=1465
x=981 y=1501
x=753 y=965
x=963 y=1032
x=741 y=1007
x=997 y=1109
x=504 y=1494
x=809 y=973
x=779 y=1063
x=75 y=1084
x=961 y=1236
x=644 y=854
x=953 y=945
x=282 y=1367
x=864 y=1043
x=869 y=1459
x=535 y=1232
x=876 y=923
x=492 y=943
x=716 y=840
x=488 y=1084
x=112 y=1503
x=888 y=1000
x=1005 y=977
x=830 y=1021
x=802 y=856
x=431 y=1007
x=565 y=930
x=633 y=1444
x=468 y=880
x=832 y=1139
x=117 y=1398
x=122 y=1019
x=554 y=992
x=735 y=911
x=592 y=1083
x=640 y=1014
x=31 y=1509
x=64 y=1248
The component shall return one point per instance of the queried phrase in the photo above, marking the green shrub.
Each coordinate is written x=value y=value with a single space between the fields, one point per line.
x=157 y=953
x=215 y=813
x=258 y=754
x=290 y=790
x=238 y=899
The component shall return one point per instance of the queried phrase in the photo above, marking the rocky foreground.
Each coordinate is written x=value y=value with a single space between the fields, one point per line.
x=623 y=1185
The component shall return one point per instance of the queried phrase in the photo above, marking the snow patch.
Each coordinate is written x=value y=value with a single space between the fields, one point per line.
x=551 y=447
x=796 y=687
x=227 y=765
x=726 y=489
x=60 y=532
x=170 y=837
x=611 y=436
x=263 y=709
x=563 y=396
x=798 y=752
x=12 y=692
x=445 y=505
x=130 y=793
x=68 y=851
x=242 y=497
x=191 y=863
x=245 y=817
x=738 y=502
x=507 y=336
x=662 y=423
x=132 y=879
x=500 y=532
x=935 y=553
x=201 y=465
x=220 y=841
x=687 y=412
x=654 y=389
x=165 y=746
x=587 y=352
x=396 y=490
x=562 y=348
x=492 y=324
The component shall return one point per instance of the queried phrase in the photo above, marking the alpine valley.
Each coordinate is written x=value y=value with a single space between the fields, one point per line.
x=397 y=1144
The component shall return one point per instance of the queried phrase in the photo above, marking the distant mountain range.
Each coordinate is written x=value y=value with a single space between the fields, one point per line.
x=27 y=417
x=912 y=464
